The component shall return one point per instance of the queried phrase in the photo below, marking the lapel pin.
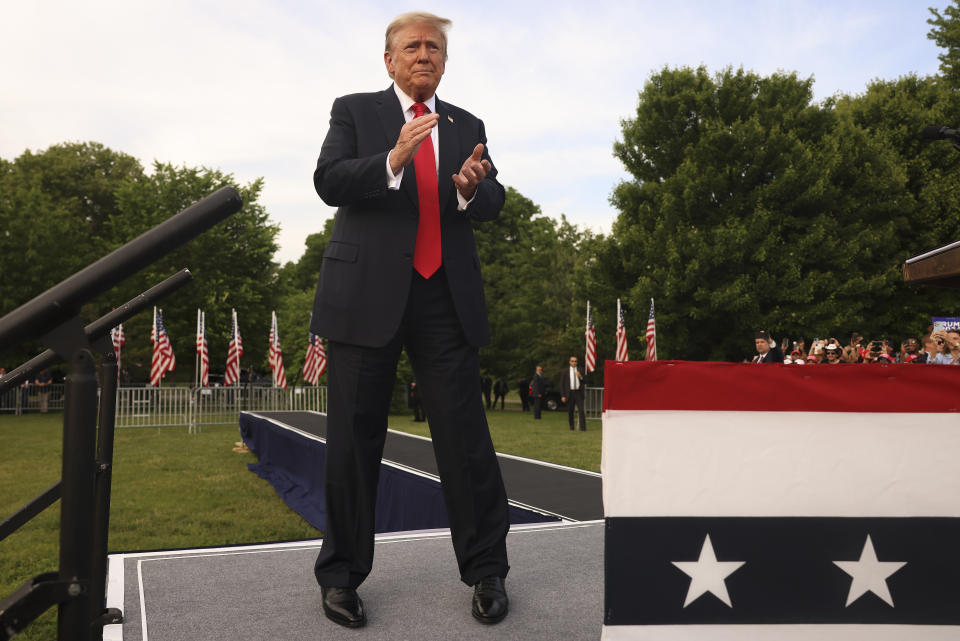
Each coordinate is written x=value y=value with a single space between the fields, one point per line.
x=450 y=118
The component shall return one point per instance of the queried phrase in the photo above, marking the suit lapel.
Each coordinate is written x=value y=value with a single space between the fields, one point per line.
x=392 y=120
x=449 y=154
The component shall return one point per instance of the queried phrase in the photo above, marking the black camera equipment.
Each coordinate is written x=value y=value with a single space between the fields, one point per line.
x=78 y=587
x=942 y=132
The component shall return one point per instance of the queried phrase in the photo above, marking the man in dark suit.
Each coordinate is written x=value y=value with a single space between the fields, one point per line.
x=401 y=271
x=486 y=387
x=500 y=390
x=571 y=390
x=523 y=391
x=766 y=352
x=538 y=387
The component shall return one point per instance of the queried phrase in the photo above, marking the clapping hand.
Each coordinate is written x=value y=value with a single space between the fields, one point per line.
x=474 y=169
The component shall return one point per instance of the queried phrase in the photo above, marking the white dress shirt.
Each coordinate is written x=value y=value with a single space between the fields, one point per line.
x=406 y=103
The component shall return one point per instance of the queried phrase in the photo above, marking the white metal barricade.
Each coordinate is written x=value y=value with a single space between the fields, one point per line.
x=32 y=398
x=593 y=402
x=153 y=406
x=165 y=406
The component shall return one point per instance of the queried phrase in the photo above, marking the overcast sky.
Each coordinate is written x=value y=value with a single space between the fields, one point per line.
x=246 y=86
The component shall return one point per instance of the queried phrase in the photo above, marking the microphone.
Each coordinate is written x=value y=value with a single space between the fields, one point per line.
x=939 y=132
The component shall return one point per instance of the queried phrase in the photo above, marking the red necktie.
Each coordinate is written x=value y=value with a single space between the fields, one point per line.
x=426 y=254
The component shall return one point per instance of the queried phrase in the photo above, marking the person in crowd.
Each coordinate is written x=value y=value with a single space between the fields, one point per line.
x=538 y=387
x=887 y=354
x=879 y=351
x=850 y=354
x=948 y=346
x=910 y=352
x=832 y=353
x=486 y=386
x=411 y=175
x=767 y=349
x=24 y=395
x=43 y=382
x=571 y=393
x=414 y=402
x=856 y=341
x=817 y=354
x=929 y=349
x=795 y=358
x=500 y=392
x=523 y=391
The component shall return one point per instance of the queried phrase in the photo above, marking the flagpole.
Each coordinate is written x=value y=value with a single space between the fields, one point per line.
x=273 y=338
x=153 y=350
x=196 y=354
x=235 y=332
x=120 y=341
x=586 y=347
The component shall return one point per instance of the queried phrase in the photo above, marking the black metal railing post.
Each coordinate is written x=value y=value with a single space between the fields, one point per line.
x=99 y=614
x=76 y=501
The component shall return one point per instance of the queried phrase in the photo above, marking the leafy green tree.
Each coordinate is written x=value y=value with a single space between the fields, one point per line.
x=302 y=274
x=232 y=265
x=71 y=204
x=893 y=113
x=529 y=261
x=946 y=33
x=54 y=206
x=752 y=207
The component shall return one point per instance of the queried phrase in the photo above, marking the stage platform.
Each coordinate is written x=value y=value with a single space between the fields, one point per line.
x=566 y=493
x=252 y=593
x=268 y=591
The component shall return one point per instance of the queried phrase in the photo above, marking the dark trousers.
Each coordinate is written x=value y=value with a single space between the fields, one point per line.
x=360 y=384
x=537 y=402
x=575 y=400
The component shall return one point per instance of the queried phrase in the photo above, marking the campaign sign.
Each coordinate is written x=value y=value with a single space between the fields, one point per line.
x=946 y=323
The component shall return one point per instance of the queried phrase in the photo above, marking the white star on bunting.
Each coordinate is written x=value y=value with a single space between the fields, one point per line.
x=707 y=574
x=869 y=574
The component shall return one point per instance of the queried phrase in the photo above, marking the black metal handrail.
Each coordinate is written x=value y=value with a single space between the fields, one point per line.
x=62 y=301
x=78 y=587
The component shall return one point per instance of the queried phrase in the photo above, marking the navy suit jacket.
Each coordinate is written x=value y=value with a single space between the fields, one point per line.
x=367 y=266
x=565 y=382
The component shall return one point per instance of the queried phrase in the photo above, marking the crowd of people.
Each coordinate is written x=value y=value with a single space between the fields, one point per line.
x=940 y=347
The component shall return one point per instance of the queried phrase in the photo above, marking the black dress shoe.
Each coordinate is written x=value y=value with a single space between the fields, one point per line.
x=490 y=602
x=343 y=606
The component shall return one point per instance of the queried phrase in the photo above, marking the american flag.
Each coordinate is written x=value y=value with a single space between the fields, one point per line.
x=276 y=356
x=651 y=336
x=202 y=351
x=591 y=334
x=163 y=359
x=316 y=360
x=234 y=352
x=119 y=340
x=621 y=335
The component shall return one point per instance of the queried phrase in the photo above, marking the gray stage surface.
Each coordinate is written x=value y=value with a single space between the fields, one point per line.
x=268 y=591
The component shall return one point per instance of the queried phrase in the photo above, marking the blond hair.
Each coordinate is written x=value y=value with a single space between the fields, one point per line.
x=417 y=17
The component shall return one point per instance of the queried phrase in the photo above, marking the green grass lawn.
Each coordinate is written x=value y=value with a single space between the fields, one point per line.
x=175 y=490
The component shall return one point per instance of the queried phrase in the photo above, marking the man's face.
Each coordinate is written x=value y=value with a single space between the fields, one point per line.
x=762 y=346
x=573 y=362
x=416 y=60
x=539 y=369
